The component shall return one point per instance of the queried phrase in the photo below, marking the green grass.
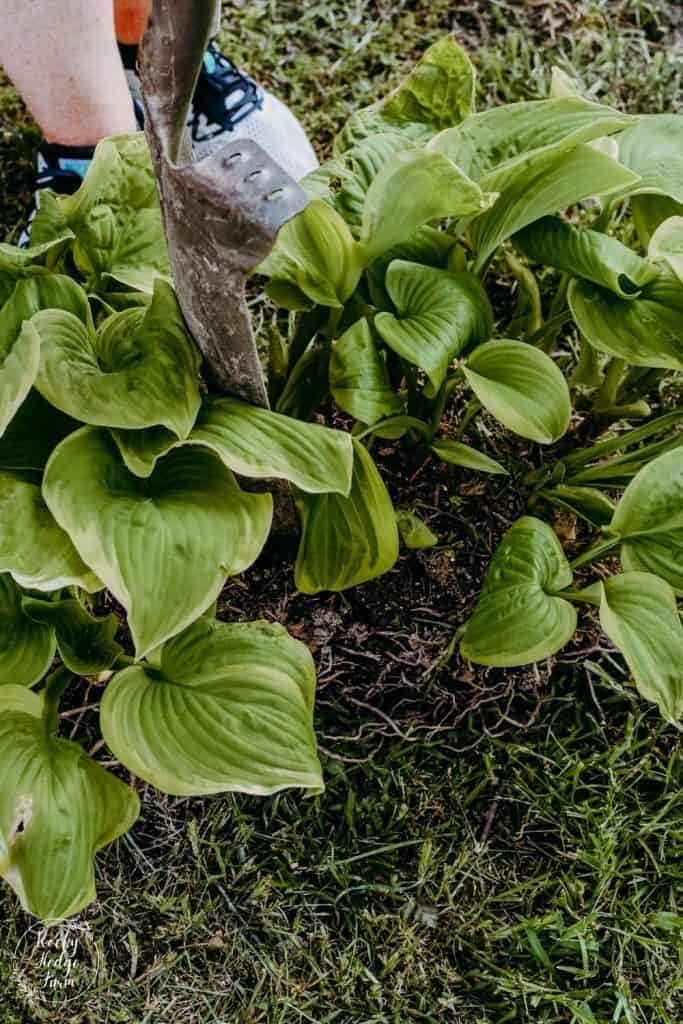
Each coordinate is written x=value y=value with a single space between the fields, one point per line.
x=503 y=848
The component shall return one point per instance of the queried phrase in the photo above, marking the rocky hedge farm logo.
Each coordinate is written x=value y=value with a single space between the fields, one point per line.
x=52 y=964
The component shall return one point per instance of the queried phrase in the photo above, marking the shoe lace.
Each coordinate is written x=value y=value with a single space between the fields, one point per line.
x=218 y=80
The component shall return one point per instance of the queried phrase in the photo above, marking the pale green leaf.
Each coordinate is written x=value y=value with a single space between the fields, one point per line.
x=19 y=347
x=315 y=252
x=522 y=387
x=438 y=92
x=639 y=614
x=357 y=169
x=439 y=315
x=457 y=454
x=591 y=255
x=163 y=546
x=57 y=809
x=427 y=246
x=588 y=502
x=33 y=547
x=413 y=531
x=666 y=245
x=359 y=379
x=369 y=121
x=230 y=708
x=519 y=135
x=649 y=520
x=86 y=644
x=518 y=618
x=139 y=369
x=20 y=698
x=26 y=647
x=531 y=188
x=413 y=188
x=346 y=541
x=653 y=149
x=646 y=331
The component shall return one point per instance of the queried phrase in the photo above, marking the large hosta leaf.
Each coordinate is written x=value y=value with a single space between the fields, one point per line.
x=57 y=809
x=19 y=348
x=252 y=442
x=16 y=262
x=357 y=169
x=35 y=430
x=346 y=541
x=359 y=379
x=163 y=546
x=518 y=618
x=649 y=519
x=645 y=331
x=438 y=93
x=33 y=547
x=415 y=187
x=639 y=614
x=229 y=708
x=427 y=246
x=86 y=644
x=26 y=647
x=591 y=255
x=439 y=315
x=316 y=254
x=534 y=187
x=139 y=369
x=517 y=134
x=522 y=387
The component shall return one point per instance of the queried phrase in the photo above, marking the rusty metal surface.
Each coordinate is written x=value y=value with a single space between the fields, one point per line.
x=221 y=214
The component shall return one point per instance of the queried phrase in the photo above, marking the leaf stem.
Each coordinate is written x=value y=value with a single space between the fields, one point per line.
x=55 y=686
x=596 y=552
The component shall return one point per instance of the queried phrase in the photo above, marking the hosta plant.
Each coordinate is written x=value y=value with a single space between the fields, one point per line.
x=121 y=473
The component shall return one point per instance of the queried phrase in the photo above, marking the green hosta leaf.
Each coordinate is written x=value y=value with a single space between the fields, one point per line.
x=26 y=647
x=139 y=369
x=367 y=122
x=316 y=253
x=57 y=809
x=438 y=316
x=19 y=348
x=253 y=443
x=522 y=387
x=666 y=245
x=518 y=134
x=457 y=454
x=587 y=254
x=649 y=520
x=163 y=546
x=307 y=386
x=649 y=211
x=16 y=262
x=427 y=246
x=518 y=618
x=531 y=188
x=230 y=708
x=646 y=331
x=19 y=698
x=86 y=644
x=140 y=255
x=396 y=426
x=359 y=379
x=639 y=614
x=357 y=169
x=653 y=149
x=33 y=548
x=588 y=502
x=34 y=432
x=413 y=531
x=259 y=443
x=346 y=541
x=413 y=188
x=439 y=92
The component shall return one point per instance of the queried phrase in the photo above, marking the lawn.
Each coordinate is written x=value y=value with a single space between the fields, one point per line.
x=492 y=846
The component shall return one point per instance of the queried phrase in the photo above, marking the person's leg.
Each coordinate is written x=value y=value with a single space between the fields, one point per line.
x=70 y=75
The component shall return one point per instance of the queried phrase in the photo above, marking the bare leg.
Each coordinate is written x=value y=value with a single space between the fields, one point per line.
x=64 y=60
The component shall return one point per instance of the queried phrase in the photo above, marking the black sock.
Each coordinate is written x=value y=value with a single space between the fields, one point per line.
x=129 y=55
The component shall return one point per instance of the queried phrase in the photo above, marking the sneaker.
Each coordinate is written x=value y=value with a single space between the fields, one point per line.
x=228 y=105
